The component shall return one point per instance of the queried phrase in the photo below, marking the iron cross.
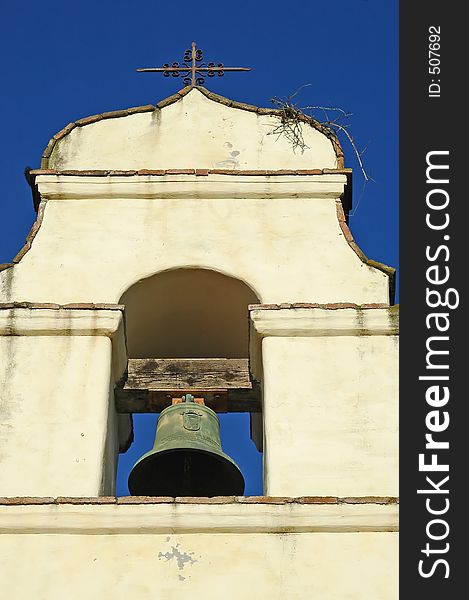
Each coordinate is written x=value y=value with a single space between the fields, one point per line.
x=192 y=69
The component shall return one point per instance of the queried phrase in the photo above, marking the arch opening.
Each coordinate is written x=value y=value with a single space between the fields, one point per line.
x=188 y=313
x=191 y=313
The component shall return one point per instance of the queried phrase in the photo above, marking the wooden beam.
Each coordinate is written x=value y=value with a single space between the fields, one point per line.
x=151 y=383
x=186 y=373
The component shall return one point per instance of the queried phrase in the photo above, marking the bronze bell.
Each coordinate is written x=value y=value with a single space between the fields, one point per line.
x=187 y=458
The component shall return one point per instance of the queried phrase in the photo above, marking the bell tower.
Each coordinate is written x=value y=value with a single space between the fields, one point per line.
x=184 y=251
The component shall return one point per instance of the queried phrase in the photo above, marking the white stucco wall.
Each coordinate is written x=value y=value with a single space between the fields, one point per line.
x=175 y=552
x=330 y=403
x=193 y=132
x=280 y=236
x=55 y=379
x=254 y=567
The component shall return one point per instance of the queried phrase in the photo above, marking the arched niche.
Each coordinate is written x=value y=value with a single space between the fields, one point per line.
x=188 y=313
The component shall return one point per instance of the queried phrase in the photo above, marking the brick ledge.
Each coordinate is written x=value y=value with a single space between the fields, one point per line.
x=186 y=171
x=32 y=500
x=330 y=306
x=70 y=306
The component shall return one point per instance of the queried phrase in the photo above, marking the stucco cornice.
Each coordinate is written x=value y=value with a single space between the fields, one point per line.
x=22 y=319
x=324 y=321
x=179 y=185
x=196 y=516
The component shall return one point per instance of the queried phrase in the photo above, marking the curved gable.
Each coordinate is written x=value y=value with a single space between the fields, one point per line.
x=193 y=129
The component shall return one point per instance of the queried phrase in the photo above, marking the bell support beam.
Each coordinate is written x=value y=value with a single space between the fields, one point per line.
x=152 y=383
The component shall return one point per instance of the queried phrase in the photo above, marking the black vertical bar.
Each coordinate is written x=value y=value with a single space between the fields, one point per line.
x=433 y=273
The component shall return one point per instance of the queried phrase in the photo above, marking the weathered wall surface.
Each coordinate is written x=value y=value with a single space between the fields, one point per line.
x=193 y=132
x=335 y=398
x=276 y=566
x=55 y=378
x=330 y=401
x=142 y=552
x=282 y=238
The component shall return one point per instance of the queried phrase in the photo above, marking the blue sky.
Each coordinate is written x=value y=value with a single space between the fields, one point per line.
x=65 y=60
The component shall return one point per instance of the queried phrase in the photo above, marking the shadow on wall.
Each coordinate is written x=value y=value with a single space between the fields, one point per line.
x=188 y=313
x=191 y=313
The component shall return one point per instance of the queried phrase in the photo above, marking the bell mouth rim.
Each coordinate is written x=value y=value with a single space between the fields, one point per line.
x=218 y=456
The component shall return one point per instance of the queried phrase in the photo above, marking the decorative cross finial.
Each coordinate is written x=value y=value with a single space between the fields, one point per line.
x=192 y=69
